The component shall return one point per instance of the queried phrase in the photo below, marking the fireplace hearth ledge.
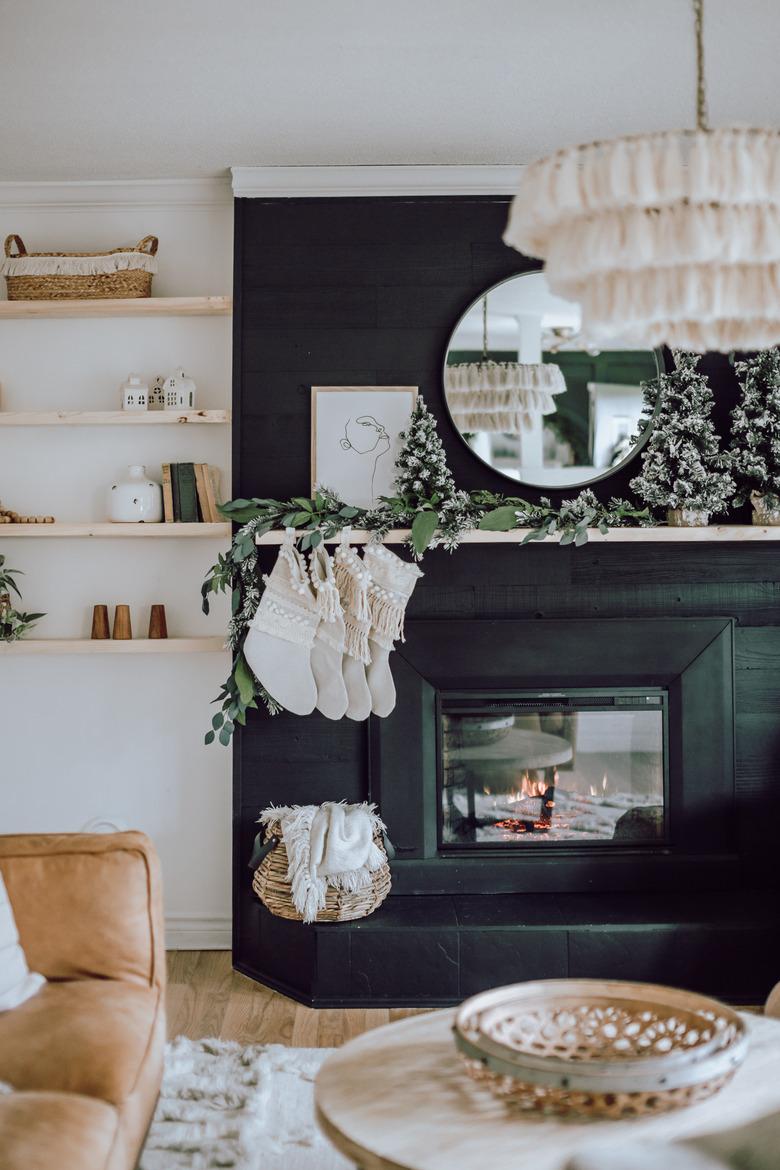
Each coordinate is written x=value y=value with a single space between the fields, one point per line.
x=434 y=951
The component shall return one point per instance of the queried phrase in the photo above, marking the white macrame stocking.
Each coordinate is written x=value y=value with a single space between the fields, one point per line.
x=353 y=581
x=278 y=645
x=328 y=648
x=392 y=583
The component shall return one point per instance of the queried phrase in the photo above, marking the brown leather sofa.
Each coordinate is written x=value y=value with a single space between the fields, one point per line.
x=84 y=1056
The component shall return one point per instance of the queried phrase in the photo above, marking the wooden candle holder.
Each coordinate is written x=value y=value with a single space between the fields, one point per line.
x=100 y=628
x=158 y=626
x=122 y=627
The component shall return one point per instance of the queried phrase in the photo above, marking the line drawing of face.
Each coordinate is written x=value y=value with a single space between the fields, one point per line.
x=365 y=435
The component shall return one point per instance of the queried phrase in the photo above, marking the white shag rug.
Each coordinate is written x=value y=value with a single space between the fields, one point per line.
x=251 y=1107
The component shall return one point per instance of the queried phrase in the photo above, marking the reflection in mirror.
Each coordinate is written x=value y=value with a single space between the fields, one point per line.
x=528 y=395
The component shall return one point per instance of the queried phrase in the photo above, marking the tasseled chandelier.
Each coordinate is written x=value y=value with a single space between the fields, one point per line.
x=500 y=397
x=669 y=238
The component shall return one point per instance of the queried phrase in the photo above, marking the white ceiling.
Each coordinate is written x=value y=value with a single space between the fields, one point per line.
x=94 y=89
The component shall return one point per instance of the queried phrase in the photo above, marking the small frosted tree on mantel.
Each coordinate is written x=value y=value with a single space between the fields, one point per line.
x=755 y=436
x=683 y=467
x=426 y=496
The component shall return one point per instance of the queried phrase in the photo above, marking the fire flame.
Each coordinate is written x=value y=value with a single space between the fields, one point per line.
x=529 y=786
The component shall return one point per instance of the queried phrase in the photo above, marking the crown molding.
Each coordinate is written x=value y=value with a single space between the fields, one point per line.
x=116 y=194
x=340 y=181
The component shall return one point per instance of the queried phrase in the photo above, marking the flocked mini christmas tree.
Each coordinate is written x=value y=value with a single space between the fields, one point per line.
x=427 y=498
x=755 y=431
x=683 y=467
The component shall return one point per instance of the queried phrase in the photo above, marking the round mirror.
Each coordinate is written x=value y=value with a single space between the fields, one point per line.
x=532 y=399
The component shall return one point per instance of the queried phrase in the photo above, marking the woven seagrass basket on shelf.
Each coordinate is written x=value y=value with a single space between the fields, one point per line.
x=272 y=887
x=592 y=1048
x=122 y=273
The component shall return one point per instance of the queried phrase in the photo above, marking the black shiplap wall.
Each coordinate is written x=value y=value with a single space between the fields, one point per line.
x=366 y=291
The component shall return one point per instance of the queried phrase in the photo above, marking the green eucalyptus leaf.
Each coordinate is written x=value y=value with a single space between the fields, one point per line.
x=423 y=528
x=316 y=538
x=218 y=720
x=567 y=537
x=581 y=537
x=244 y=680
x=501 y=519
x=209 y=737
x=224 y=737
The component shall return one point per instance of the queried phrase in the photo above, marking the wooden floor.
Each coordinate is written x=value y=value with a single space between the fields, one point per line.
x=207 y=998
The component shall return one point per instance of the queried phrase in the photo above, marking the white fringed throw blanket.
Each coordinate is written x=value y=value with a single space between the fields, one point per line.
x=330 y=844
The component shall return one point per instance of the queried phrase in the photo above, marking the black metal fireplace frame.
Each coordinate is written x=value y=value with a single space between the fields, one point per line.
x=692 y=659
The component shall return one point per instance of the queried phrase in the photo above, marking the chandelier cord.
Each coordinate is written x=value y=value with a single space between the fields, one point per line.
x=702 y=120
x=484 y=330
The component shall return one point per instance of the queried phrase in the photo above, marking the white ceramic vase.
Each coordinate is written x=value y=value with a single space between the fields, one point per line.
x=135 y=498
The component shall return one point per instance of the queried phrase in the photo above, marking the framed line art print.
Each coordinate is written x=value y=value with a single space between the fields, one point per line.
x=355 y=439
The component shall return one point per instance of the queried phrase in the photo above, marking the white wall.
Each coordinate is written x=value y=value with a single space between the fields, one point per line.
x=118 y=737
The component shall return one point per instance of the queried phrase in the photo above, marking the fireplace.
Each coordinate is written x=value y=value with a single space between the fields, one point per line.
x=564 y=754
x=530 y=770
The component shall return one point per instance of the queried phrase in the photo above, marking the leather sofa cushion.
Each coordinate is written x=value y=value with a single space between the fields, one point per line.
x=91 y=1037
x=39 y=1131
x=87 y=905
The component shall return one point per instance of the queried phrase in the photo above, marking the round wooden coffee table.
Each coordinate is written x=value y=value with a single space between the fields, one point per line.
x=397 y=1098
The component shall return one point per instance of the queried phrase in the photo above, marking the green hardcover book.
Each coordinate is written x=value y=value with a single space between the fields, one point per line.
x=188 y=493
x=175 y=491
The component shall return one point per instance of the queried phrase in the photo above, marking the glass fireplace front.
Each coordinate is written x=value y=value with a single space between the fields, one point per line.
x=566 y=768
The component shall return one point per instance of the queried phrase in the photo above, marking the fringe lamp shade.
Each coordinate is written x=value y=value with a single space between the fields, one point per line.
x=671 y=238
x=501 y=397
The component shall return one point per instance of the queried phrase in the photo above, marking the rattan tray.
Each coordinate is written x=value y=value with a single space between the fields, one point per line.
x=599 y=1049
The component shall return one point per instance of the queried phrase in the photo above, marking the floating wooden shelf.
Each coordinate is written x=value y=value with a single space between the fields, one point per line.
x=130 y=307
x=110 y=418
x=131 y=646
x=660 y=535
x=111 y=531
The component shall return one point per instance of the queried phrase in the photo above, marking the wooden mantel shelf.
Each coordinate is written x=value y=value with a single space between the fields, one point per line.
x=123 y=307
x=113 y=531
x=111 y=418
x=108 y=646
x=662 y=535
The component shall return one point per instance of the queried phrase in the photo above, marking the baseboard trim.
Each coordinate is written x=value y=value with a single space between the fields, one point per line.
x=196 y=932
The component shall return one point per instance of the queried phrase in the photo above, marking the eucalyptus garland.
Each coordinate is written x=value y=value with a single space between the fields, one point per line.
x=426 y=501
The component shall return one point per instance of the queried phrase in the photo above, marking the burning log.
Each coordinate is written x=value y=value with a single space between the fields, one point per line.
x=546 y=810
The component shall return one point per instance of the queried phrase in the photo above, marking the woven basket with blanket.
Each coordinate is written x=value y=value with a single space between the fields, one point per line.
x=321 y=863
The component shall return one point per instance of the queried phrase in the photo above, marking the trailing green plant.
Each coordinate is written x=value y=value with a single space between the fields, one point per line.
x=755 y=429
x=14 y=624
x=236 y=573
x=569 y=521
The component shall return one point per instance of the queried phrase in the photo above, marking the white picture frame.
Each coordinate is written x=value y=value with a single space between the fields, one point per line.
x=355 y=439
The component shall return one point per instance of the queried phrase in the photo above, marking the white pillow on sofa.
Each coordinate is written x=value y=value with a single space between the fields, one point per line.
x=17 y=981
